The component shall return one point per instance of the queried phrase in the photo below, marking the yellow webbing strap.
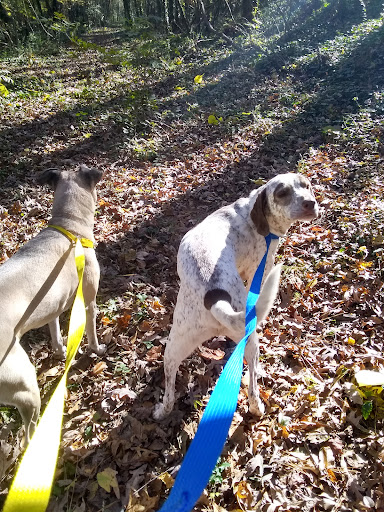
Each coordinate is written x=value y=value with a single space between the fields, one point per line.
x=84 y=241
x=31 y=487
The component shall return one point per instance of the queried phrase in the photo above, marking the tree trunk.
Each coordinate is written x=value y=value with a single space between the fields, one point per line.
x=205 y=17
x=127 y=10
x=52 y=7
x=247 y=10
x=106 y=8
x=184 y=22
x=38 y=6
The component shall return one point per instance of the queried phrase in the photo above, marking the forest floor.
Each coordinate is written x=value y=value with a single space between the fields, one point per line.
x=143 y=113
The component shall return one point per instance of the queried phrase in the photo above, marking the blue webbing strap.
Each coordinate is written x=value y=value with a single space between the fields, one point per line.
x=207 y=445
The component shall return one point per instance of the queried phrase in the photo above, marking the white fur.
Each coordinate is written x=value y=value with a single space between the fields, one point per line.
x=221 y=253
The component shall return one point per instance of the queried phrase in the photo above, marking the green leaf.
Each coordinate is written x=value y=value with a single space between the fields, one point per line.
x=366 y=409
x=259 y=182
x=107 y=479
x=198 y=79
x=3 y=90
x=212 y=119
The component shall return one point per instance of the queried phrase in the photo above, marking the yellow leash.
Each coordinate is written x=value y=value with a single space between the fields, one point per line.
x=31 y=487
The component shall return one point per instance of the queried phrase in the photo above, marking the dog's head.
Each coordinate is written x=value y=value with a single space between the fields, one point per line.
x=285 y=199
x=85 y=177
x=74 y=190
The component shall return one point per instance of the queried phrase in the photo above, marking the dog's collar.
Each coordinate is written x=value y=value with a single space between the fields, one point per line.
x=272 y=236
x=84 y=241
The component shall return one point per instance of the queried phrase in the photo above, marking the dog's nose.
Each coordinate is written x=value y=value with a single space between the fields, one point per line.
x=309 y=205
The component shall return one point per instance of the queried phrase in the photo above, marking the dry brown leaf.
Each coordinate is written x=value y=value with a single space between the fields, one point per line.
x=99 y=368
x=154 y=353
x=142 y=502
x=167 y=479
x=211 y=354
x=123 y=394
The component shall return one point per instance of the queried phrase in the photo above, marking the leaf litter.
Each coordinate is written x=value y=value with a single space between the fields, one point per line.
x=319 y=446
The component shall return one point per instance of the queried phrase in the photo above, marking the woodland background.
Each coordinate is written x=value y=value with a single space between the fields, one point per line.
x=186 y=105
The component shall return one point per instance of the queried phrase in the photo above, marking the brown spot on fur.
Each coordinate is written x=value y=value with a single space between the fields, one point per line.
x=283 y=194
x=303 y=181
x=258 y=213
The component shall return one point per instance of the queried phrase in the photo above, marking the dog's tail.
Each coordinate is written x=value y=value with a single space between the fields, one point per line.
x=235 y=321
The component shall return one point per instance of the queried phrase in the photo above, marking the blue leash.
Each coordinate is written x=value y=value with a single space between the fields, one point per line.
x=207 y=445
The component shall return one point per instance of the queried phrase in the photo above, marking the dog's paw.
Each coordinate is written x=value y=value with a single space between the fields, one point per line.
x=159 y=412
x=256 y=407
x=99 y=349
x=60 y=352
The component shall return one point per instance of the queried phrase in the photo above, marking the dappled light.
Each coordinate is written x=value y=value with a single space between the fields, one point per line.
x=187 y=106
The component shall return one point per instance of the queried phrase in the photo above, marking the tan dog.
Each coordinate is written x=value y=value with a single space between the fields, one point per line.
x=39 y=283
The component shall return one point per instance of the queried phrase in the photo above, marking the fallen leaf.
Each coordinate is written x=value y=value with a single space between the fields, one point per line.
x=154 y=353
x=211 y=354
x=167 y=479
x=99 y=368
x=107 y=480
x=123 y=394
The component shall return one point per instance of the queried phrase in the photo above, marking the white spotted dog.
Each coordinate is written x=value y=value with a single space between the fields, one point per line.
x=215 y=259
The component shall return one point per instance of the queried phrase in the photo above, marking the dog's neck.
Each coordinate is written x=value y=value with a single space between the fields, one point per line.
x=73 y=209
x=75 y=225
x=277 y=224
x=76 y=218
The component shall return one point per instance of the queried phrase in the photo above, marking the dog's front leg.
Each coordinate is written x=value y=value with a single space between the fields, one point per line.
x=58 y=347
x=90 y=328
x=256 y=406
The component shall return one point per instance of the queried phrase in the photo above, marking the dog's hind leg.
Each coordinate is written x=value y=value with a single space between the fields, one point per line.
x=56 y=338
x=90 y=287
x=172 y=361
x=182 y=341
x=29 y=411
x=18 y=387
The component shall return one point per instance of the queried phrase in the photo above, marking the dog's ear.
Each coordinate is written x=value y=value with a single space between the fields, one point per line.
x=49 y=177
x=90 y=175
x=258 y=213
